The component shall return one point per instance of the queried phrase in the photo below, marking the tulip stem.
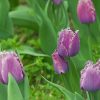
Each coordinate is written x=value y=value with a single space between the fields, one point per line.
x=47 y=5
x=74 y=76
x=88 y=96
x=92 y=96
x=90 y=42
x=93 y=38
x=70 y=20
x=65 y=12
x=65 y=80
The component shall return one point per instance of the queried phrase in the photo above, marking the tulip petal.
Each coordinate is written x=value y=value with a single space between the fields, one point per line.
x=60 y=65
x=90 y=77
x=86 y=11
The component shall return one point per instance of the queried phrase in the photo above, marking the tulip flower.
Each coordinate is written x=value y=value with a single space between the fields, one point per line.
x=68 y=43
x=10 y=63
x=60 y=65
x=57 y=2
x=90 y=76
x=86 y=11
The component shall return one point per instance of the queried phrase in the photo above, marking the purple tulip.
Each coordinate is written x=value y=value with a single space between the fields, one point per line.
x=60 y=65
x=57 y=2
x=10 y=63
x=86 y=11
x=90 y=76
x=68 y=43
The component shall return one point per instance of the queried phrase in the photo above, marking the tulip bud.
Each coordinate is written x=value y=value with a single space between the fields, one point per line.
x=68 y=43
x=90 y=76
x=60 y=65
x=10 y=63
x=86 y=11
x=57 y=2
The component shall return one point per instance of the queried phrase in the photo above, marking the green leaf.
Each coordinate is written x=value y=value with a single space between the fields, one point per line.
x=14 y=92
x=6 y=28
x=47 y=33
x=47 y=37
x=13 y=3
x=78 y=96
x=95 y=28
x=25 y=17
x=88 y=97
x=29 y=51
x=73 y=76
x=24 y=87
x=68 y=94
x=3 y=92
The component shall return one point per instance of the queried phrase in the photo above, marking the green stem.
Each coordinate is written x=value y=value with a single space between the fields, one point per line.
x=65 y=80
x=65 y=10
x=92 y=96
x=46 y=7
x=88 y=96
x=90 y=42
x=93 y=38
x=74 y=76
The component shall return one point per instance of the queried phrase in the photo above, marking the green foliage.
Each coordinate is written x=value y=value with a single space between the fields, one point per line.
x=24 y=16
x=35 y=26
x=6 y=28
x=13 y=3
x=68 y=95
x=13 y=90
x=44 y=92
x=3 y=92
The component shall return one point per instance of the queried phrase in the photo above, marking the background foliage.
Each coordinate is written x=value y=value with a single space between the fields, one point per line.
x=30 y=27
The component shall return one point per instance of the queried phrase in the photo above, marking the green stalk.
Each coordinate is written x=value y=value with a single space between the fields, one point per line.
x=74 y=76
x=65 y=80
x=93 y=95
x=88 y=96
x=90 y=39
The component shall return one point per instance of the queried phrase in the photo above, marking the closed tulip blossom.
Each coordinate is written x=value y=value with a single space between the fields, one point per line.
x=60 y=65
x=90 y=76
x=10 y=63
x=57 y=2
x=68 y=43
x=86 y=11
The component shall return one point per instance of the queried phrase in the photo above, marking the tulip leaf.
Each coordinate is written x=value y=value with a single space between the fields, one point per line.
x=29 y=51
x=97 y=95
x=95 y=28
x=78 y=96
x=24 y=87
x=6 y=28
x=14 y=92
x=47 y=33
x=25 y=17
x=3 y=92
x=13 y=3
x=68 y=95
x=74 y=81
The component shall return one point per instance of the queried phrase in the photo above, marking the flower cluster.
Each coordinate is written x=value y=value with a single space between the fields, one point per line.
x=90 y=75
x=68 y=46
